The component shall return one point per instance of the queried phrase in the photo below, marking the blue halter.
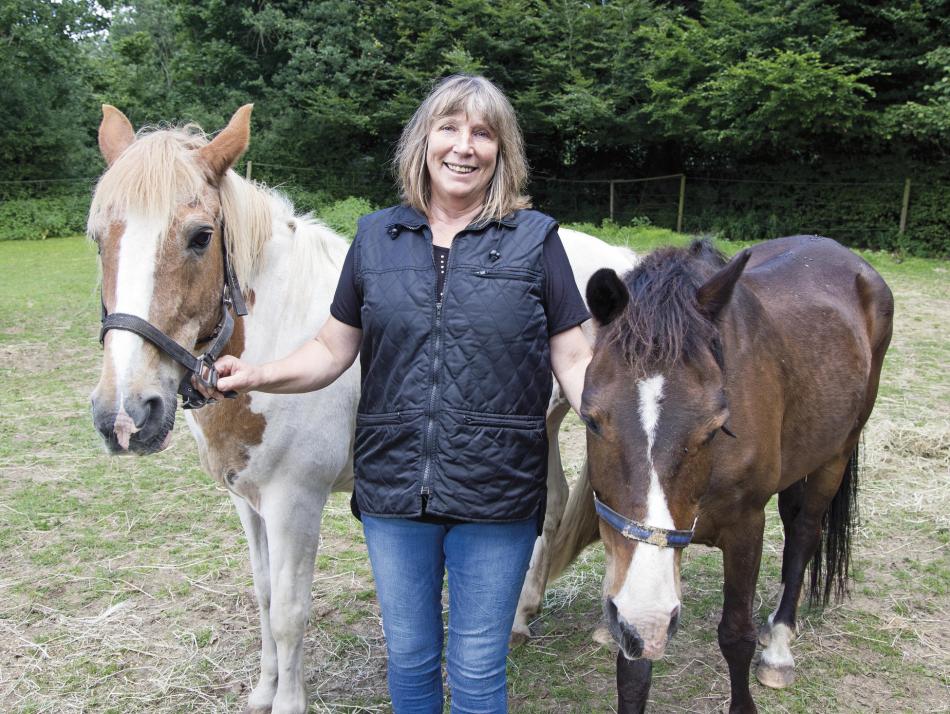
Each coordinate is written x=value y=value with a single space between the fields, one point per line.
x=634 y=530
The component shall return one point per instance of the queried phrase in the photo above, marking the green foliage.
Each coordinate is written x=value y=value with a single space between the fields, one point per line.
x=784 y=101
x=603 y=90
x=858 y=204
x=341 y=216
x=45 y=99
x=926 y=121
x=41 y=218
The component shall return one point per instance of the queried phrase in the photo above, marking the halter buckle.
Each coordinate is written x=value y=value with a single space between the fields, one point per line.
x=204 y=363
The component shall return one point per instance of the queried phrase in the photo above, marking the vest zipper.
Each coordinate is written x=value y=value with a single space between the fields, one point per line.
x=436 y=363
x=430 y=420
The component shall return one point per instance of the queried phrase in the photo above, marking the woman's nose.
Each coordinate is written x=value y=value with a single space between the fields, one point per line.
x=463 y=142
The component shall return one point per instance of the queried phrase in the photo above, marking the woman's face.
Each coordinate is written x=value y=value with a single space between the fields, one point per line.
x=461 y=158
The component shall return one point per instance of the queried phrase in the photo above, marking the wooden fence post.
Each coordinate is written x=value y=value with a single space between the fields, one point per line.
x=679 y=211
x=247 y=170
x=611 y=201
x=905 y=204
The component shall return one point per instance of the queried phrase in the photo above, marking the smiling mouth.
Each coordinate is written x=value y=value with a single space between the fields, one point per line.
x=458 y=168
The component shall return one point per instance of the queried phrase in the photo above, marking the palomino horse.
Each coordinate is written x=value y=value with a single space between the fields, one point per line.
x=182 y=239
x=780 y=349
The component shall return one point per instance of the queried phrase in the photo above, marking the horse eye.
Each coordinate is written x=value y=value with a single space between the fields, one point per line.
x=591 y=424
x=200 y=240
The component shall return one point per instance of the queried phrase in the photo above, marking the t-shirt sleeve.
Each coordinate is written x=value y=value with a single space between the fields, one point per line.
x=562 y=301
x=347 y=302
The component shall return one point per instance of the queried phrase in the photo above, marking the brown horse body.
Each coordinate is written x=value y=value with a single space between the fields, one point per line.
x=781 y=348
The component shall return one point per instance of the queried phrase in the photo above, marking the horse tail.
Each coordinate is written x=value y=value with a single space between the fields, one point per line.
x=832 y=560
x=578 y=527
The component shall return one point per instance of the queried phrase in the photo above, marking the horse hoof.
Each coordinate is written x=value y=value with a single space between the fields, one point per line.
x=775 y=677
x=256 y=710
x=765 y=635
x=602 y=636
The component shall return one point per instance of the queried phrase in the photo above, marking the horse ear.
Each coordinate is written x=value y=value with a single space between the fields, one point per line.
x=607 y=296
x=115 y=133
x=227 y=147
x=715 y=294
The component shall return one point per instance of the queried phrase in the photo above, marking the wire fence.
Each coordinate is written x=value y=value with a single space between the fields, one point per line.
x=888 y=214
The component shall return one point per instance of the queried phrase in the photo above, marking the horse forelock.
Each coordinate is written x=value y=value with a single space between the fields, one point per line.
x=160 y=171
x=662 y=323
x=155 y=174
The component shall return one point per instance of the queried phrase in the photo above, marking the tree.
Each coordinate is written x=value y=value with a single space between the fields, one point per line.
x=45 y=98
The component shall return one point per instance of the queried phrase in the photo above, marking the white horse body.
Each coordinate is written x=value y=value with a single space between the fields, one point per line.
x=305 y=449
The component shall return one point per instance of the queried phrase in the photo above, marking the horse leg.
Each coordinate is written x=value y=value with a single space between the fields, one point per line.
x=293 y=533
x=536 y=580
x=789 y=505
x=776 y=666
x=741 y=555
x=633 y=684
x=262 y=696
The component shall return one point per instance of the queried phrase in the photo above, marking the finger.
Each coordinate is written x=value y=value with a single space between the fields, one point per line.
x=230 y=385
x=202 y=389
x=225 y=365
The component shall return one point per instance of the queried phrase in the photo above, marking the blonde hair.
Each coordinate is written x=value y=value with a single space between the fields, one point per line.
x=475 y=96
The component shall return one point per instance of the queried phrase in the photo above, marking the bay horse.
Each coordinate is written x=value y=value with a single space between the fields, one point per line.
x=196 y=259
x=713 y=386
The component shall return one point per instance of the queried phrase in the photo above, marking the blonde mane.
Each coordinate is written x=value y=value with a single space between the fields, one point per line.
x=159 y=171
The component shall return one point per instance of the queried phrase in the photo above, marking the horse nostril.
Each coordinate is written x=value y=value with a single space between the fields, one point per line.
x=674 y=621
x=151 y=407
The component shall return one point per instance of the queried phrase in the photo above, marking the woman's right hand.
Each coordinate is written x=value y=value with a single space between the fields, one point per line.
x=233 y=376
x=236 y=375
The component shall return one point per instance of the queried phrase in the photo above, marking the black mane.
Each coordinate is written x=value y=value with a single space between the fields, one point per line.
x=662 y=323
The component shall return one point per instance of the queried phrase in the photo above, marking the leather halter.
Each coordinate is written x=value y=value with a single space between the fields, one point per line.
x=634 y=530
x=201 y=367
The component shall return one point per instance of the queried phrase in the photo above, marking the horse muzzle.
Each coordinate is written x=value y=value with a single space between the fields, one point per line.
x=646 y=640
x=141 y=424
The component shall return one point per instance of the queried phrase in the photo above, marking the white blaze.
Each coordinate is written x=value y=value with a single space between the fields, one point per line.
x=135 y=284
x=648 y=595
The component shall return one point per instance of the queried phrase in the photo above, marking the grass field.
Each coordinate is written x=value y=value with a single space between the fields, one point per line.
x=125 y=584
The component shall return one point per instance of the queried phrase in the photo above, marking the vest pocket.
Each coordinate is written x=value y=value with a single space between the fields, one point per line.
x=491 y=466
x=378 y=419
x=504 y=421
x=505 y=274
x=386 y=418
x=386 y=459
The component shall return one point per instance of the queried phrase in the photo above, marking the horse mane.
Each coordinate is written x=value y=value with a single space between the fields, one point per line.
x=160 y=171
x=662 y=323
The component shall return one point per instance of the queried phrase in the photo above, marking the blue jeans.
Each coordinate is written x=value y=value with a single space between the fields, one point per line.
x=486 y=563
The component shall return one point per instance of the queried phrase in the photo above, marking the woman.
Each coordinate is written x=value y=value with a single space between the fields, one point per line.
x=460 y=303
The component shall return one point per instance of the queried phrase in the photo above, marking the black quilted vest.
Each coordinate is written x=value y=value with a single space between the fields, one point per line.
x=451 y=416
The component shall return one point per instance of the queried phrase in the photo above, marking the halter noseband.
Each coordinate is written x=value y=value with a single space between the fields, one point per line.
x=634 y=530
x=201 y=367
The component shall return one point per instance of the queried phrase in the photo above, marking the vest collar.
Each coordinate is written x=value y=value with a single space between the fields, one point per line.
x=408 y=218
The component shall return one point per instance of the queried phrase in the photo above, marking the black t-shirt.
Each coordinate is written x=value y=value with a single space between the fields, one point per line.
x=562 y=302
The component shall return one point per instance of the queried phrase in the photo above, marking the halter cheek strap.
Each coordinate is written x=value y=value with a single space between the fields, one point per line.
x=634 y=530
